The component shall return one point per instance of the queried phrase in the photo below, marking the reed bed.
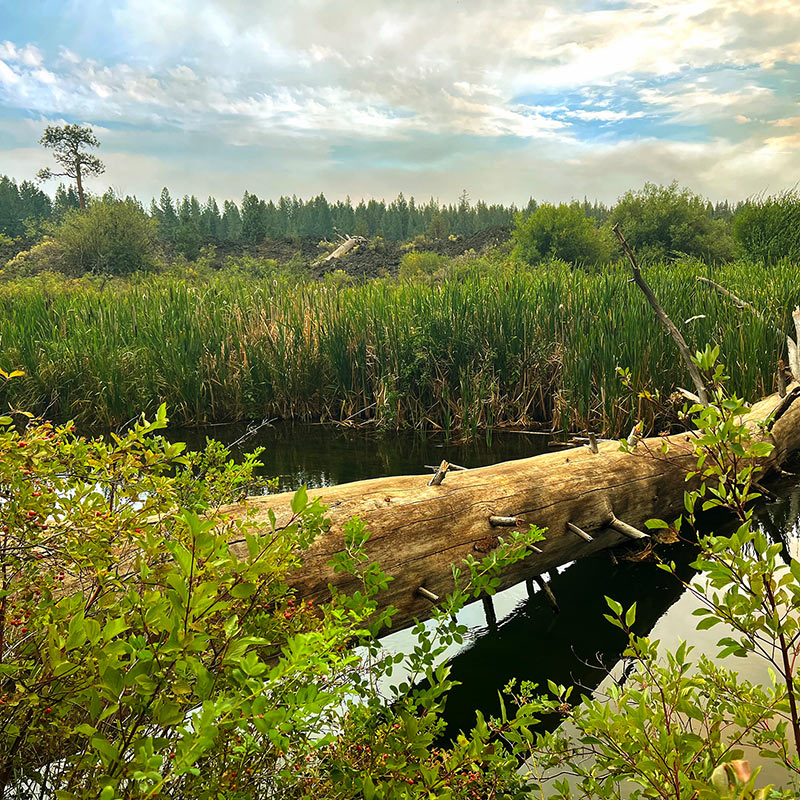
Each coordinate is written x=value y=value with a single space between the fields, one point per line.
x=487 y=346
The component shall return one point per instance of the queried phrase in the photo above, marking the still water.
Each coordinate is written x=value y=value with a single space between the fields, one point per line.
x=575 y=646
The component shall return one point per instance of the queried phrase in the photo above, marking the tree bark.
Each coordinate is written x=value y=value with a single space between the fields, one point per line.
x=79 y=181
x=418 y=531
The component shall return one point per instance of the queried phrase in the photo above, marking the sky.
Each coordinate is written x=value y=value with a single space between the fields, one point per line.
x=507 y=99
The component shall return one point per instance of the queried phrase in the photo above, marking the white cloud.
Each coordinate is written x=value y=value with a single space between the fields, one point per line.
x=7 y=75
x=431 y=89
x=29 y=55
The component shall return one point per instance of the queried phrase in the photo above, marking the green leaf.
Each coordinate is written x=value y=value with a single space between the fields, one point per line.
x=614 y=606
x=657 y=524
x=76 y=635
x=243 y=590
x=300 y=500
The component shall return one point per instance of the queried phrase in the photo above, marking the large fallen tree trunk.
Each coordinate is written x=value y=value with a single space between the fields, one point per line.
x=586 y=500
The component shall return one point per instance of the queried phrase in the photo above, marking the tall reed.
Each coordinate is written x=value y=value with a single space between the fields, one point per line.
x=486 y=346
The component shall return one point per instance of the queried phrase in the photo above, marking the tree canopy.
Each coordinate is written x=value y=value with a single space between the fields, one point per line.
x=562 y=231
x=69 y=143
x=664 y=222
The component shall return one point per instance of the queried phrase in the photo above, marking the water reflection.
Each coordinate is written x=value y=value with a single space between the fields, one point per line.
x=576 y=646
x=321 y=455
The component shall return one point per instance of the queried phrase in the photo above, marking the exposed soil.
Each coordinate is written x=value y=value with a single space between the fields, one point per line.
x=374 y=261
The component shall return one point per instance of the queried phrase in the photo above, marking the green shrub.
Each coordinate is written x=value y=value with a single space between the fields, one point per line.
x=559 y=232
x=150 y=646
x=414 y=265
x=664 y=222
x=47 y=256
x=8 y=248
x=112 y=237
x=768 y=229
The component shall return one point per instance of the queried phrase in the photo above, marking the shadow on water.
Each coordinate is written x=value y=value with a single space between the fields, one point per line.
x=577 y=646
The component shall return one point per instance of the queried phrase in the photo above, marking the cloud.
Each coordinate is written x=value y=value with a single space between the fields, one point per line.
x=351 y=96
x=28 y=55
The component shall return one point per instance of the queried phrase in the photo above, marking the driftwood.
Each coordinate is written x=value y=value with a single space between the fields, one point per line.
x=586 y=501
x=343 y=249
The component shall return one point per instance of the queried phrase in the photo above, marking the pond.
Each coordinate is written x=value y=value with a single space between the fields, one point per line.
x=530 y=642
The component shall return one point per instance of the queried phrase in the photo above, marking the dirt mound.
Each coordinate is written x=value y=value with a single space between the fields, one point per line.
x=480 y=241
x=366 y=261
x=372 y=260
x=285 y=249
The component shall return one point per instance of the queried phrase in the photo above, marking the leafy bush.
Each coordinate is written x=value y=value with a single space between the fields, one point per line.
x=768 y=229
x=415 y=265
x=663 y=222
x=112 y=237
x=150 y=646
x=8 y=247
x=47 y=256
x=559 y=232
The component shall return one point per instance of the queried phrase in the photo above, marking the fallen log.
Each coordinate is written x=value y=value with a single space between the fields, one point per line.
x=342 y=250
x=586 y=502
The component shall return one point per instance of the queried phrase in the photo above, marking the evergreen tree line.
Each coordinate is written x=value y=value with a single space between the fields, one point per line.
x=187 y=225
x=25 y=207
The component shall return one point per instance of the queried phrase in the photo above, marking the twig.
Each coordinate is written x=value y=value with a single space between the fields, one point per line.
x=740 y=303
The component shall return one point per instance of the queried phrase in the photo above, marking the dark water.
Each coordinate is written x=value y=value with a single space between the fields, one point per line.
x=575 y=646
x=321 y=455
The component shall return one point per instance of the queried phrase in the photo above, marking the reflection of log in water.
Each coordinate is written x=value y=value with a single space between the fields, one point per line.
x=536 y=645
x=570 y=647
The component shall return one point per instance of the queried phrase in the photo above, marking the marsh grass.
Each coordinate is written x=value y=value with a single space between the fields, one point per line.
x=487 y=346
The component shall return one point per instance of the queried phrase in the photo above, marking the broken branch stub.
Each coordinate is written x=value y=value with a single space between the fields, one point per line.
x=439 y=475
x=792 y=344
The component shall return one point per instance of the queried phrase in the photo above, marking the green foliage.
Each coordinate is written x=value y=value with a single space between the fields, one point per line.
x=46 y=256
x=113 y=237
x=768 y=229
x=421 y=265
x=671 y=728
x=8 y=248
x=664 y=222
x=490 y=343
x=150 y=645
x=560 y=232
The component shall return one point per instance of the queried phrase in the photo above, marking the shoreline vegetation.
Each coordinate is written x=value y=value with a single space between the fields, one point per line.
x=476 y=342
x=438 y=318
